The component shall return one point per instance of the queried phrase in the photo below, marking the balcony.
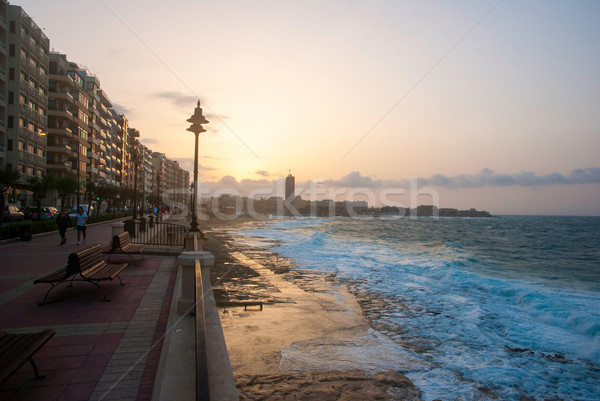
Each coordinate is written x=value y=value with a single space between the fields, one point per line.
x=62 y=78
x=60 y=148
x=93 y=155
x=95 y=126
x=65 y=131
x=62 y=95
x=61 y=113
x=90 y=169
x=60 y=166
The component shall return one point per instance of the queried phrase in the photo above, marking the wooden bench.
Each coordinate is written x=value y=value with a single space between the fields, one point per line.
x=58 y=276
x=17 y=349
x=123 y=243
x=87 y=264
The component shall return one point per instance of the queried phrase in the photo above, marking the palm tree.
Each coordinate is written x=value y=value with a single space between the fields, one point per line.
x=65 y=185
x=8 y=177
x=91 y=190
x=39 y=187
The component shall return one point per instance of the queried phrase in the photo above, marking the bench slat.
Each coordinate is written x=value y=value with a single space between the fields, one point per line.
x=60 y=274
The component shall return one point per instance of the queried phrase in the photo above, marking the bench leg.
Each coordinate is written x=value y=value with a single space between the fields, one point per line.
x=37 y=376
x=99 y=289
x=73 y=279
x=53 y=286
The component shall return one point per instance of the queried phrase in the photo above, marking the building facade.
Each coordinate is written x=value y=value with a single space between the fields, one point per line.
x=23 y=94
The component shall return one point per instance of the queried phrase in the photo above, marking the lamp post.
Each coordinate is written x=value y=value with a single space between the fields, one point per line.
x=197 y=119
x=136 y=162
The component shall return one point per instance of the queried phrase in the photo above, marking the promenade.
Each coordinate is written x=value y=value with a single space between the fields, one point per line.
x=101 y=350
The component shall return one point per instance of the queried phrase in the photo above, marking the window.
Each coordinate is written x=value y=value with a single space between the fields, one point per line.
x=40 y=173
x=29 y=170
x=11 y=73
x=11 y=51
x=10 y=122
x=21 y=145
x=21 y=168
x=31 y=149
x=31 y=127
x=11 y=97
x=40 y=152
x=22 y=99
x=13 y=26
x=9 y=144
x=22 y=122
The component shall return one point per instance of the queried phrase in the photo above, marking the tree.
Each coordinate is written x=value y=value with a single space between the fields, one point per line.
x=65 y=185
x=106 y=192
x=91 y=189
x=126 y=195
x=8 y=178
x=39 y=187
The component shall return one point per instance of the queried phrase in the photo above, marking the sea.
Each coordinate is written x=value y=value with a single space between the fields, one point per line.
x=500 y=308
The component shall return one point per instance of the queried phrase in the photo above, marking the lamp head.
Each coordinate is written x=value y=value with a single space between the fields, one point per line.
x=197 y=117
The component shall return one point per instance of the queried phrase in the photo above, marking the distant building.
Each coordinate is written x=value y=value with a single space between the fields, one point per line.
x=290 y=187
x=23 y=93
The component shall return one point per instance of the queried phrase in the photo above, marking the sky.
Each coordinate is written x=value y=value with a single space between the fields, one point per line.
x=473 y=104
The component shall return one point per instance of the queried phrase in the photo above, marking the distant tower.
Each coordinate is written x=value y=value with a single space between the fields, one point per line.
x=290 y=186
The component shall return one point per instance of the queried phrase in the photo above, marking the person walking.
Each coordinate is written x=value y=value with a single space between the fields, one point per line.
x=64 y=221
x=81 y=222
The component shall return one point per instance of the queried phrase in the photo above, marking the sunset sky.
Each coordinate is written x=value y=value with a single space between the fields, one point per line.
x=492 y=104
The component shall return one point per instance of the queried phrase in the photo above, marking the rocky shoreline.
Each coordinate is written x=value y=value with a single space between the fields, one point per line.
x=240 y=274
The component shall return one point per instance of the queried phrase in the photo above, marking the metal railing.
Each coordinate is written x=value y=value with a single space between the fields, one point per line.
x=150 y=232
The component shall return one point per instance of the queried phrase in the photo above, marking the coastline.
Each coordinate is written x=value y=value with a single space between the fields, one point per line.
x=291 y=348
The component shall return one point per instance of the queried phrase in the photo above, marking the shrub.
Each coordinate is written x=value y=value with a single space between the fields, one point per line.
x=14 y=230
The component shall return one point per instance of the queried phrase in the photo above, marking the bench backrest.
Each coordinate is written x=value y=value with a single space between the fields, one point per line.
x=122 y=240
x=84 y=259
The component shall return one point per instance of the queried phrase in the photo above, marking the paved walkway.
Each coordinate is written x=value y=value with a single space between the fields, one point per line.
x=101 y=350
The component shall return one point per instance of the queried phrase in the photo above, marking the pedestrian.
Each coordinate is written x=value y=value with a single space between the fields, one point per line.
x=64 y=221
x=80 y=222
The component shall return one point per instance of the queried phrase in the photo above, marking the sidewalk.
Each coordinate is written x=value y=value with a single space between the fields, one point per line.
x=101 y=350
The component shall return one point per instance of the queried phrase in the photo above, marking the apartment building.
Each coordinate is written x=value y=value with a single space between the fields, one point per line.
x=109 y=153
x=23 y=94
x=56 y=119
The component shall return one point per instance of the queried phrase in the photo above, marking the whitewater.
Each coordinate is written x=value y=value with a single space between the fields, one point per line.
x=478 y=308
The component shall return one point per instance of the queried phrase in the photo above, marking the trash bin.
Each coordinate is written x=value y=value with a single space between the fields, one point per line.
x=130 y=227
x=25 y=231
x=142 y=224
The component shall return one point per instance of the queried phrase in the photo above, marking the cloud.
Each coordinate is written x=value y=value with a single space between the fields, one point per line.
x=149 y=141
x=354 y=180
x=484 y=178
x=120 y=109
x=263 y=173
x=214 y=117
x=178 y=99
x=525 y=178
x=187 y=163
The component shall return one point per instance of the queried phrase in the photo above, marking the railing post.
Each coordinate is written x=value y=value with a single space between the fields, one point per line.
x=187 y=262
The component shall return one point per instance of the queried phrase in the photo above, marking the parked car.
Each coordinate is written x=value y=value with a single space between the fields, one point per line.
x=27 y=211
x=12 y=213
x=73 y=212
x=47 y=213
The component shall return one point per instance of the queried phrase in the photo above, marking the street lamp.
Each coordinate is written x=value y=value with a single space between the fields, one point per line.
x=136 y=161
x=197 y=119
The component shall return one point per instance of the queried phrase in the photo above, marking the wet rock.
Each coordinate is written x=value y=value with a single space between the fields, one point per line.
x=325 y=386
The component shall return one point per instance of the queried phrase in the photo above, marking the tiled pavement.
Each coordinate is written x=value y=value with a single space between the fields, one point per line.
x=101 y=350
